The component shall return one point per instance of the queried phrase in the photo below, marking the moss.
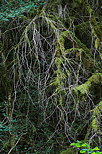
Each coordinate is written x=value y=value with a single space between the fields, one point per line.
x=81 y=48
x=95 y=78
x=84 y=88
x=97 y=28
x=58 y=81
x=96 y=122
x=61 y=41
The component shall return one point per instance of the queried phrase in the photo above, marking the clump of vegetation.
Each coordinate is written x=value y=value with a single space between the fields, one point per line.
x=82 y=148
x=85 y=148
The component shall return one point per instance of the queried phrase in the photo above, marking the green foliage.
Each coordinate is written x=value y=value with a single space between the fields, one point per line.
x=4 y=128
x=80 y=144
x=87 y=149
x=10 y=10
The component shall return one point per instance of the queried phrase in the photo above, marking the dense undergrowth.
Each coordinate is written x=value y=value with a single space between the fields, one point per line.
x=50 y=75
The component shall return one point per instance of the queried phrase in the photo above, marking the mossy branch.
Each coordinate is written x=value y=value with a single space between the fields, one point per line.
x=96 y=121
x=84 y=88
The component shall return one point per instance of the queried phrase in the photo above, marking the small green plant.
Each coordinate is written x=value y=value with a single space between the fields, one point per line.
x=85 y=148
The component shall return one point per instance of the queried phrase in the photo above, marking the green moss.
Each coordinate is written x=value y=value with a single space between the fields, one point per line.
x=97 y=111
x=84 y=52
x=84 y=88
x=61 y=41
x=95 y=78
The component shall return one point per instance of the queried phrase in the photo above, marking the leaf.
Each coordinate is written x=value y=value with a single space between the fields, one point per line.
x=78 y=145
x=7 y=129
x=85 y=145
x=41 y=3
x=11 y=16
x=13 y=121
x=73 y=144
x=81 y=151
x=96 y=148
x=5 y=19
x=1 y=126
